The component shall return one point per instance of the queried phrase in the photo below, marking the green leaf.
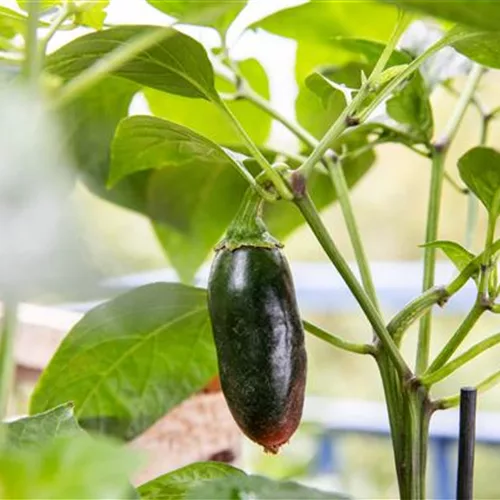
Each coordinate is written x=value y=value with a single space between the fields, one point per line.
x=178 y=64
x=132 y=359
x=317 y=21
x=460 y=256
x=89 y=125
x=218 y=14
x=179 y=483
x=410 y=106
x=480 y=170
x=149 y=143
x=317 y=106
x=480 y=46
x=76 y=467
x=233 y=487
x=92 y=13
x=11 y=23
x=482 y=14
x=207 y=119
x=193 y=192
x=42 y=428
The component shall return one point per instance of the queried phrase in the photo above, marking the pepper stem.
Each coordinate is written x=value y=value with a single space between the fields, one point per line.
x=248 y=228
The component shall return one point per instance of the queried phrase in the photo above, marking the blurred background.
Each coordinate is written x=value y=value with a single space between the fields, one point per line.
x=390 y=204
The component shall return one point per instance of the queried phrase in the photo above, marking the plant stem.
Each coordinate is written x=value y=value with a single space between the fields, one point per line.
x=312 y=217
x=417 y=436
x=32 y=63
x=471 y=268
x=342 y=121
x=436 y=188
x=453 y=401
x=459 y=361
x=400 y=323
x=337 y=341
x=409 y=70
x=433 y=211
x=7 y=364
x=466 y=96
x=250 y=95
x=454 y=343
x=339 y=181
x=109 y=63
x=64 y=13
x=277 y=180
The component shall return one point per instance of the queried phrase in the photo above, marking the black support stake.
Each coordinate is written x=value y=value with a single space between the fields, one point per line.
x=466 y=443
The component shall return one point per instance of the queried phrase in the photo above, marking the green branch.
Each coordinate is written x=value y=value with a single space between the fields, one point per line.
x=7 y=363
x=337 y=341
x=453 y=401
x=410 y=69
x=66 y=11
x=446 y=370
x=454 y=343
x=434 y=208
x=400 y=323
x=245 y=92
x=308 y=210
x=433 y=212
x=343 y=120
x=342 y=189
x=274 y=176
x=32 y=63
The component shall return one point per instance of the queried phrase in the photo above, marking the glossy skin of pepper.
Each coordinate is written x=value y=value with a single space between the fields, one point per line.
x=260 y=342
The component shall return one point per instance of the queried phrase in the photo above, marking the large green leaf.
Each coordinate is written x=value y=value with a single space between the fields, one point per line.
x=480 y=170
x=207 y=119
x=42 y=428
x=149 y=143
x=132 y=359
x=320 y=21
x=179 y=483
x=178 y=64
x=218 y=14
x=480 y=46
x=233 y=487
x=482 y=14
x=76 y=467
x=193 y=192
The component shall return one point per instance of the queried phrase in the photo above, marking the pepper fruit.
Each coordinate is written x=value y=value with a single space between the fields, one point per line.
x=257 y=330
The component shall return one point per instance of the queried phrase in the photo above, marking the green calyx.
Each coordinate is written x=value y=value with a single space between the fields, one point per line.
x=248 y=228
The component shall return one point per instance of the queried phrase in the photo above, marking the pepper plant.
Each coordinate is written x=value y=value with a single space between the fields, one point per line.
x=364 y=80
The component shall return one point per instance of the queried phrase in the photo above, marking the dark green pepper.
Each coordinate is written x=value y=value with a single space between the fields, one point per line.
x=258 y=332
